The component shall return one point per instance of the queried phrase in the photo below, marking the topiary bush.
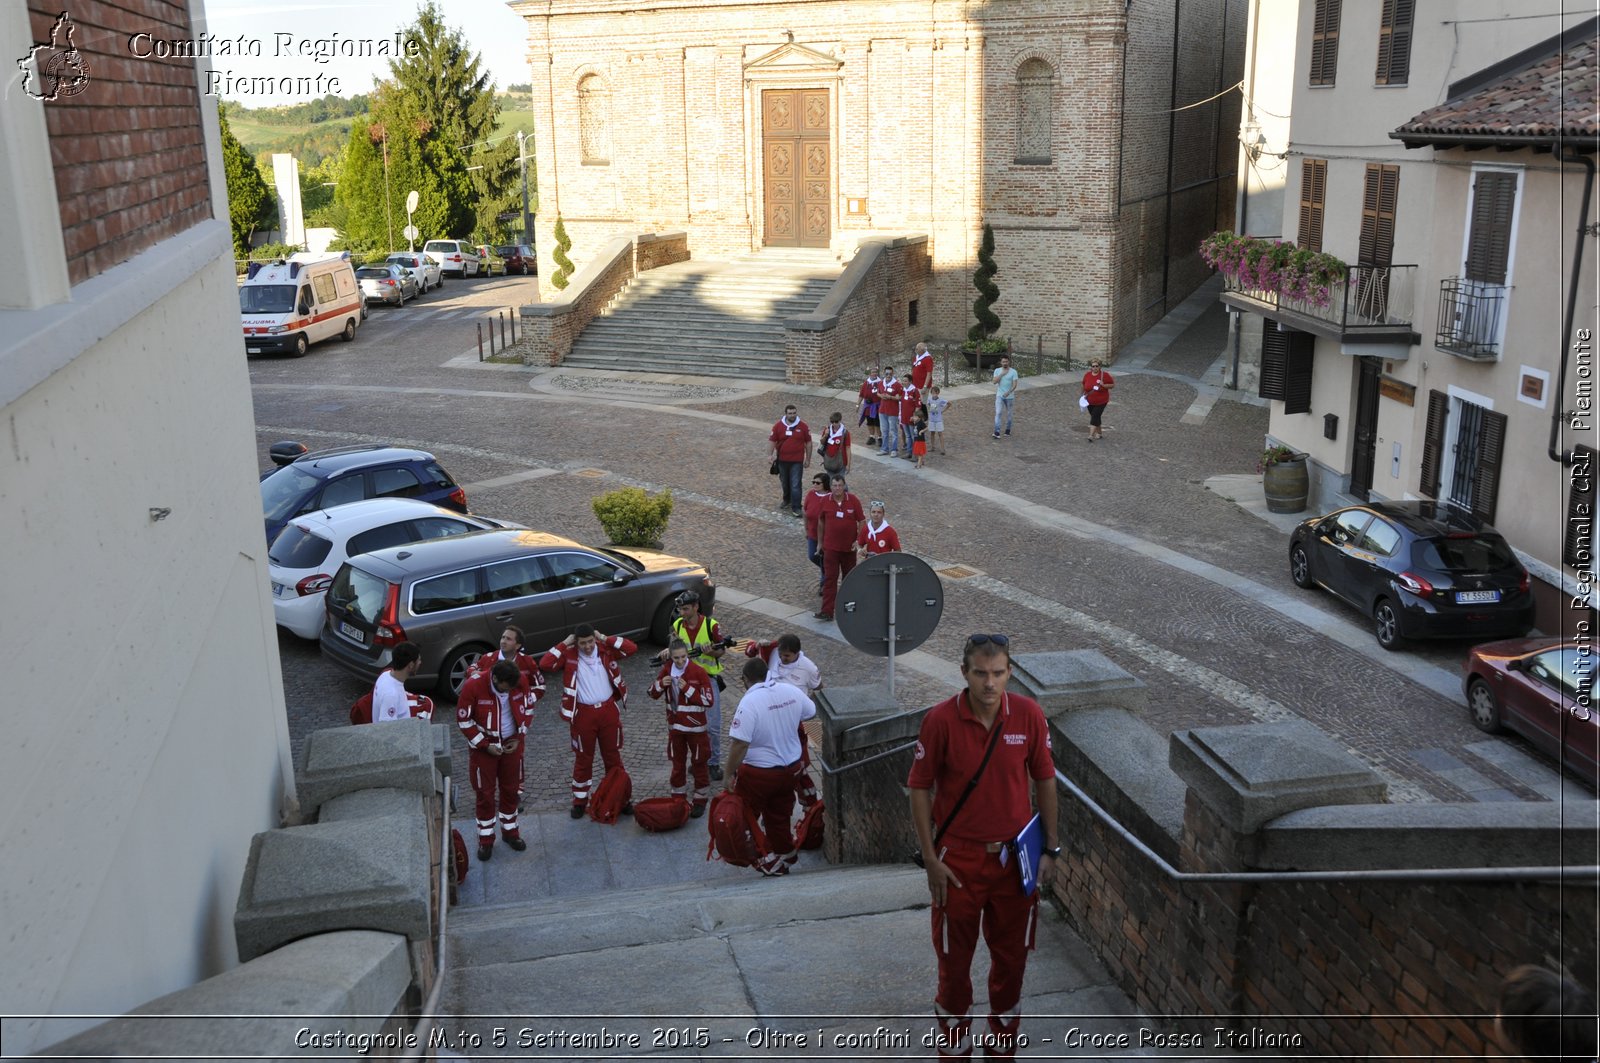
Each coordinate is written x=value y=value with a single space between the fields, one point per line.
x=563 y=264
x=632 y=516
x=988 y=292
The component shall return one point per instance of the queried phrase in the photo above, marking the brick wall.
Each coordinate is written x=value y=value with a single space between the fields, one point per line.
x=866 y=314
x=128 y=150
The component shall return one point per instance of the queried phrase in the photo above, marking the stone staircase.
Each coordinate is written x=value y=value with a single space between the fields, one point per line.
x=708 y=318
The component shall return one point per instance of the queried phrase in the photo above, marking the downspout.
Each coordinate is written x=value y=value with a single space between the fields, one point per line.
x=1243 y=227
x=1172 y=140
x=1554 y=451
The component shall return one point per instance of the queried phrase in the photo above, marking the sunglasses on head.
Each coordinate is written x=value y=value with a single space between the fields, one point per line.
x=983 y=640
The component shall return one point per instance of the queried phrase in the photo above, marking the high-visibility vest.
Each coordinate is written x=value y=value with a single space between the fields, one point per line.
x=680 y=630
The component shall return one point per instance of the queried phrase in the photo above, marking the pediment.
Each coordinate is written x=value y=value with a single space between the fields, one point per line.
x=793 y=56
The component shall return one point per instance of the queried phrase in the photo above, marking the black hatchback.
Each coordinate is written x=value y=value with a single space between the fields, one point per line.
x=305 y=482
x=1417 y=569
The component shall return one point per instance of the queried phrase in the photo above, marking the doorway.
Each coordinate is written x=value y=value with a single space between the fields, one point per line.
x=1364 y=454
x=796 y=168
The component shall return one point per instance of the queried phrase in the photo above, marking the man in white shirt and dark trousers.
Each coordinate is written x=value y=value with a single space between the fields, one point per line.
x=788 y=664
x=764 y=758
x=389 y=698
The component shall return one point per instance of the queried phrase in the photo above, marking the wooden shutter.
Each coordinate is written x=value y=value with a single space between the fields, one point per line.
x=1379 y=199
x=1491 y=451
x=1494 y=200
x=1297 y=373
x=1433 y=443
x=1394 y=42
x=1274 y=360
x=1325 y=42
x=1577 y=544
x=1313 y=189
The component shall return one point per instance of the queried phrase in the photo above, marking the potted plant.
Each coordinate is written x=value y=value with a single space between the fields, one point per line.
x=982 y=350
x=1277 y=266
x=1284 y=479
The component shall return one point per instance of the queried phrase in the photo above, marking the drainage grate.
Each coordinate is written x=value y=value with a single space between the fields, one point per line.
x=959 y=572
x=593 y=474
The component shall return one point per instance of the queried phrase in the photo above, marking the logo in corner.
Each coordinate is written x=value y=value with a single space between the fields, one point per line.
x=55 y=68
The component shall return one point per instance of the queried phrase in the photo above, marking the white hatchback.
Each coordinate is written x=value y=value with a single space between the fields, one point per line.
x=311 y=547
x=454 y=256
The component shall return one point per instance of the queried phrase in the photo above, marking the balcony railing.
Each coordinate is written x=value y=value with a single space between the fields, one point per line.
x=1369 y=302
x=1469 y=318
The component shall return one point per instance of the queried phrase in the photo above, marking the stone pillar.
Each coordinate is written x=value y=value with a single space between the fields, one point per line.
x=1064 y=680
x=1238 y=779
x=869 y=815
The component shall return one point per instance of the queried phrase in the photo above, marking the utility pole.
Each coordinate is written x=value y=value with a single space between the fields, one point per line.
x=522 y=163
x=388 y=216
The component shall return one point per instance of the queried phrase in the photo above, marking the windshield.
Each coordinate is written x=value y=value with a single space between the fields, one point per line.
x=439 y=245
x=284 y=490
x=266 y=298
x=295 y=547
x=627 y=562
x=361 y=593
x=506 y=252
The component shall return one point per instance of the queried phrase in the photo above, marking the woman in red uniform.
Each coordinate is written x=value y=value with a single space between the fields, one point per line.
x=1097 y=385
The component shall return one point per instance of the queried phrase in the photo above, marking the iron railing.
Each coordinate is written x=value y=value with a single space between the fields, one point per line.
x=1375 y=298
x=1469 y=318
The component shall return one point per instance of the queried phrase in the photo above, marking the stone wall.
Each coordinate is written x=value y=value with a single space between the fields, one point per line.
x=549 y=329
x=867 y=313
x=1363 y=968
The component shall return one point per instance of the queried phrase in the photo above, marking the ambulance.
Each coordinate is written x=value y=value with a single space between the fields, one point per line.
x=288 y=305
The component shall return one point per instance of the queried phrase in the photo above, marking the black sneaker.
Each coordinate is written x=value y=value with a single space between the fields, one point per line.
x=627 y=808
x=578 y=811
x=697 y=811
x=516 y=843
x=485 y=851
x=716 y=772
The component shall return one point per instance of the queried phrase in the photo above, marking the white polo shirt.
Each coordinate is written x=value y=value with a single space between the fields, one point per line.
x=389 y=701
x=803 y=673
x=768 y=720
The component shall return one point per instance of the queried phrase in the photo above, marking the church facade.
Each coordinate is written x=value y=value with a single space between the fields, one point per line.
x=1098 y=138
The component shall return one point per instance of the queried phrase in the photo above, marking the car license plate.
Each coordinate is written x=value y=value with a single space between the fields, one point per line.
x=1476 y=597
x=350 y=631
x=252 y=350
x=277 y=590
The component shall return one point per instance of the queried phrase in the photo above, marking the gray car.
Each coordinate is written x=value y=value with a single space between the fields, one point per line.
x=453 y=597
x=388 y=282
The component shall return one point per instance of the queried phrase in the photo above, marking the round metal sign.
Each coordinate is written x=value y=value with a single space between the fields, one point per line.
x=411 y=201
x=410 y=232
x=863 y=608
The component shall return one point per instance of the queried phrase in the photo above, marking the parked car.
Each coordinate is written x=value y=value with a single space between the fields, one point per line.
x=1417 y=569
x=308 y=481
x=388 y=283
x=312 y=546
x=1544 y=690
x=520 y=258
x=455 y=257
x=453 y=597
x=490 y=262
x=428 y=272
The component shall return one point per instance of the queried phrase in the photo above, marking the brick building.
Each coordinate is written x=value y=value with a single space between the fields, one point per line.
x=1097 y=137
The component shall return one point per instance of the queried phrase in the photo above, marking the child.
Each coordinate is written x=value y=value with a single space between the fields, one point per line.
x=919 y=435
x=869 y=406
x=936 y=407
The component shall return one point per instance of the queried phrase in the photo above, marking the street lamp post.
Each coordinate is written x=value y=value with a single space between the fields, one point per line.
x=522 y=165
x=388 y=216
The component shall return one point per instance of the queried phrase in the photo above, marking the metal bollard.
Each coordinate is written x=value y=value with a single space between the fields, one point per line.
x=480 y=341
x=1038 y=360
x=502 y=315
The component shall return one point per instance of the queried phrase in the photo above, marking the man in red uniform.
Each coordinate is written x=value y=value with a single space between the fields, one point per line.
x=910 y=399
x=493 y=711
x=889 y=389
x=511 y=649
x=791 y=449
x=592 y=688
x=877 y=534
x=922 y=367
x=687 y=689
x=764 y=758
x=868 y=411
x=972 y=875
x=839 y=523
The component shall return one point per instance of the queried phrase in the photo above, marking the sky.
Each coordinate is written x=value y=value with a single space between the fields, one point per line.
x=280 y=30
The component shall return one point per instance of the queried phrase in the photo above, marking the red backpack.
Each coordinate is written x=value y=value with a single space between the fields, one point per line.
x=612 y=795
x=458 y=856
x=736 y=835
x=808 y=832
x=662 y=813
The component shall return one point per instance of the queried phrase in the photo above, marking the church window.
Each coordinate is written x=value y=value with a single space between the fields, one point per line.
x=1035 y=80
x=594 y=119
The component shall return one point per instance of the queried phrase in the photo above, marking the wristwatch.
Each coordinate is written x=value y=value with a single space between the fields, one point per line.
x=1054 y=854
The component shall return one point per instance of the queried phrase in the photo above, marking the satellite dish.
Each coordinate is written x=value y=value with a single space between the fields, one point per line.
x=888 y=605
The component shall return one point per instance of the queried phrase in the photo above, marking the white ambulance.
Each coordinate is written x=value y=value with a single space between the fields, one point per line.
x=289 y=305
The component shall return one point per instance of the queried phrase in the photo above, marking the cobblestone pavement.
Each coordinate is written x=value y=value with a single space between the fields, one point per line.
x=1045 y=520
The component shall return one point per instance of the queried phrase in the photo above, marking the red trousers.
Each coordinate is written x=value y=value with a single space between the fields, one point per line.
x=695 y=749
x=769 y=792
x=805 y=791
x=594 y=726
x=836 y=565
x=990 y=899
x=494 y=781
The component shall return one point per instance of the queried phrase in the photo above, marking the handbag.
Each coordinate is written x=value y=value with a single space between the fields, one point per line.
x=774 y=469
x=972 y=784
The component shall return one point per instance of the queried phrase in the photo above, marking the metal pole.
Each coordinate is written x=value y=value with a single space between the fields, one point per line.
x=893 y=569
x=1038 y=359
x=522 y=163
x=480 y=341
x=388 y=217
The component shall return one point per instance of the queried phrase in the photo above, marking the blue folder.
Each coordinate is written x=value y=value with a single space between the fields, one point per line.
x=1028 y=848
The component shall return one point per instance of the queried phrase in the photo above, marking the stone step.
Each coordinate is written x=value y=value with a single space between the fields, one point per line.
x=683 y=350
x=631 y=327
x=709 y=365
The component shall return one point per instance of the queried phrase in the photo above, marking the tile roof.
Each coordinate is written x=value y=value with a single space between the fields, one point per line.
x=1546 y=93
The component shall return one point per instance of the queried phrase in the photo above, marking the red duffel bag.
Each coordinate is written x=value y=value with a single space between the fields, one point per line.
x=662 y=813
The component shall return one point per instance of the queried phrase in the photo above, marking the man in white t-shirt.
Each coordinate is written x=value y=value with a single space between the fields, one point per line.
x=389 y=698
x=764 y=757
x=788 y=664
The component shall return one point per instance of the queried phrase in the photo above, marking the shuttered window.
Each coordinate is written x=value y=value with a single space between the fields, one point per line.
x=1325 y=42
x=1490 y=456
x=1313 y=189
x=1379 y=199
x=1394 y=42
x=1286 y=367
x=1433 y=443
x=1577 y=541
x=1494 y=201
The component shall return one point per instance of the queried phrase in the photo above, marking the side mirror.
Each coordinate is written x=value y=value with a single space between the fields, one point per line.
x=621 y=577
x=1517 y=664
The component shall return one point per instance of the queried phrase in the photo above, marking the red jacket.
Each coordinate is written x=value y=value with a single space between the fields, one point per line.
x=526 y=663
x=688 y=713
x=836 y=531
x=478 y=710
x=564 y=659
x=887 y=540
x=922 y=369
x=793 y=444
x=889 y=397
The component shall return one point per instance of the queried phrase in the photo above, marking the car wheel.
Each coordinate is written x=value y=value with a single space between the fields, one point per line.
x=1300 y=567
x=456 y=668
x=300 y=346
x=1485 y=708
x=661 y=626
x=349 y=332
x=1386 y=625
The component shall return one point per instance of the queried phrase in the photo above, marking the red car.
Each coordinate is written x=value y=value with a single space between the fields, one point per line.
x=1544 y=690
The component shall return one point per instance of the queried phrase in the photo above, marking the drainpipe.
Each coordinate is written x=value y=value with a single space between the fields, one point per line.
x=1556 y=454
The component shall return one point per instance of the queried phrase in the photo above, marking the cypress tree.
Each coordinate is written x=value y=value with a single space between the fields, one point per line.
x=563 y=264
x=988 y=292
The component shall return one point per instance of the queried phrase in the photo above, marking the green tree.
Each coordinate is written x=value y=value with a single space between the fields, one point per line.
x=563 y=264
x=250 y=200
x=317 y=185
x=359 y=208
x=988 y=292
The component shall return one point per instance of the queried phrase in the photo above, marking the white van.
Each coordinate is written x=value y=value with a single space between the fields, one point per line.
x=288 y=306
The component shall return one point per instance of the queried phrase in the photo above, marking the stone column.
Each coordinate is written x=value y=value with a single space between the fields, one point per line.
x=869 y=815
